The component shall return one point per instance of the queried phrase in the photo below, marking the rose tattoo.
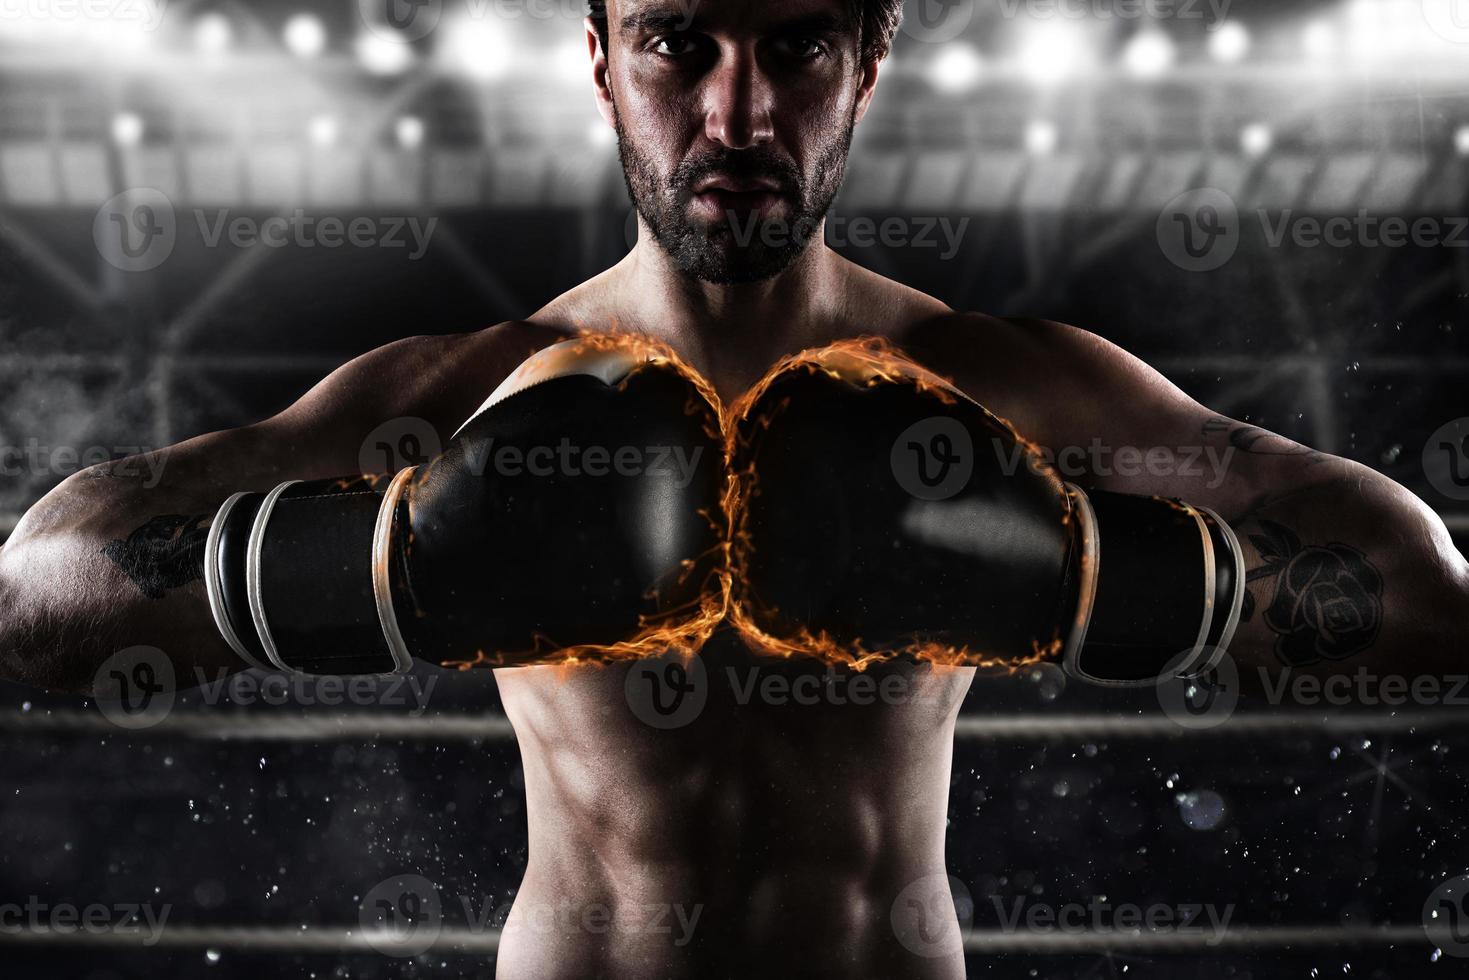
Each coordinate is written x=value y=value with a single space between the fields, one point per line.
x=1328 y=598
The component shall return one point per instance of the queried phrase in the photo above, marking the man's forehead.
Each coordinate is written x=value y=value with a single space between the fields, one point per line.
x=751 y=15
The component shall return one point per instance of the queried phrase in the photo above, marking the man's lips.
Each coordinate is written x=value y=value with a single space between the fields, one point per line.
x=737 y=185
x=718 y=196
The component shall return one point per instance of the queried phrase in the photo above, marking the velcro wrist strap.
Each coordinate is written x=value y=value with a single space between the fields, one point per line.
x=1168 y=589
x=224 y=576
x=1229 y=590
x=317 y=577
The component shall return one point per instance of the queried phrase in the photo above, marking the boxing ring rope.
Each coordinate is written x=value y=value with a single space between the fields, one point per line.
x=276 y=726
x=340 y=939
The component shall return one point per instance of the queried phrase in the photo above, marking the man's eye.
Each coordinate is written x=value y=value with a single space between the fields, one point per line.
x=674 y=46
x=801 y=48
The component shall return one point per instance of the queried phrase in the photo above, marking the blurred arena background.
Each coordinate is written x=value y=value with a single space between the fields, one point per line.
x=1151 y=172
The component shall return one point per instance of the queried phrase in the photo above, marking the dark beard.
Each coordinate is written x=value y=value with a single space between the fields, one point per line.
x=737 y=249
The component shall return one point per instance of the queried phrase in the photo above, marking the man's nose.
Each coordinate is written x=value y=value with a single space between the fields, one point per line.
x=737 y=103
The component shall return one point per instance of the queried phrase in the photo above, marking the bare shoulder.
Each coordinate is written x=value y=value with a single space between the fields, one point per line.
x=970 y=340
x=440 y=379
x=1057 y=383
x=876 y=305
x=1074 y=392
x=587 y=306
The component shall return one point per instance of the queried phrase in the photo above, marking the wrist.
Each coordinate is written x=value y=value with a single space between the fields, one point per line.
x=1161 y=585
x=300 y=578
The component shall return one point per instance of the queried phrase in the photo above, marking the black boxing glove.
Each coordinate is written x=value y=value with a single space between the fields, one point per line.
x=576 y=513
x=885 y=512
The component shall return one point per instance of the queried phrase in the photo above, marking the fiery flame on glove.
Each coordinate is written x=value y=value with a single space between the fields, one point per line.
x=721 y=601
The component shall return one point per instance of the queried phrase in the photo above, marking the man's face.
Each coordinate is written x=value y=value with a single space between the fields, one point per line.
x=734 y=118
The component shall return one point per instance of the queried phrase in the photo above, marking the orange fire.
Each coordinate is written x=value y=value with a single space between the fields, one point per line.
x=866 y=361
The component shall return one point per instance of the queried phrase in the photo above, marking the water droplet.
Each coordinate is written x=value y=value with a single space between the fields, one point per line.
x=1202 y=810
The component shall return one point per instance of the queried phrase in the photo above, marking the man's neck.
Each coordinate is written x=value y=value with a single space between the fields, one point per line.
x=734 y=332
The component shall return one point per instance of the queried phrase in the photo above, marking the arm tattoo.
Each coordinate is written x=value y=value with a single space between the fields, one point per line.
x=1328 y=598
x=1252 y=439
x=165 y=553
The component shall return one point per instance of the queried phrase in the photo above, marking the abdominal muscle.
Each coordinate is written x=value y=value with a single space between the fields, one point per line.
x=770 y=829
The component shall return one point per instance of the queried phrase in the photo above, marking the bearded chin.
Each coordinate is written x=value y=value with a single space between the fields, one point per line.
x=737 y=249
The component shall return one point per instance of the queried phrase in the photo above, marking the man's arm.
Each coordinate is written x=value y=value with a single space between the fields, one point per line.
x=112 y=557
x=1346 y=568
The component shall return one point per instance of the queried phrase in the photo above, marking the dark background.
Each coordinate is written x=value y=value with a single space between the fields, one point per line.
x=1063 y=160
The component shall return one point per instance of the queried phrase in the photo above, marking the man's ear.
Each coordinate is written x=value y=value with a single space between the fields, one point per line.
x=866 y=86
x=600 y=82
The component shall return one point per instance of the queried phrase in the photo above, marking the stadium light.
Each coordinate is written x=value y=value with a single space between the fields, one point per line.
x=1230 y=43
x=380 y=54
x=957 y=68
x=305 y=36
x=600 y=134
x=409 y=132
x=1398 y=30
x=1256 y=139
x=1149 y=54
x=213 y=34
x=570 y=61
x=110 y=31
x=1461 y=141
x=322 y=131
x=1053 y=51
x=1040 y=137
x=127 y=129
x=1319 y=40
x=479 y=47
x=1374 y=29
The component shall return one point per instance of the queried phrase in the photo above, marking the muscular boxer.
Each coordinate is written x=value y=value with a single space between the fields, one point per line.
x=783 y=834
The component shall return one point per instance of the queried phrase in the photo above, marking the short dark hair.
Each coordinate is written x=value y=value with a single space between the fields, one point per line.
x=879 y=20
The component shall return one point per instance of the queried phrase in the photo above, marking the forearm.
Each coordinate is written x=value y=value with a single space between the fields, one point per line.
x=109 y=560
x=1351 y=575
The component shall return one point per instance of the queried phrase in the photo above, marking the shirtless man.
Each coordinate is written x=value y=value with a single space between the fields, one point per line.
x=789 y=830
